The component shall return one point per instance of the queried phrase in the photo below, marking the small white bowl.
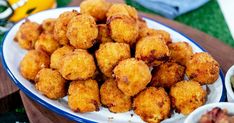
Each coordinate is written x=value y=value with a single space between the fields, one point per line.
x=230 y=93
x=196 y=115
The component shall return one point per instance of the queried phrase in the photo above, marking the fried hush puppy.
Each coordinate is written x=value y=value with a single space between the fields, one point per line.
x=28 y=34
x=83 y=96
x=46 y=43
x=50 y=83
x=60 y=26
x=152 y=105
x=132 y=76
x=141 y=24
x=48 y=25
x=82 y=31
x=186 y=96
x=203 y=68
x=113 y=98
x=95 y=8
x=78 y=65
x=33 y=62
x=123 y=29
x=103 y=34
x=57 y=55
x=180 y=52
x=109 y=54
x=167 y=74
x=152 y=50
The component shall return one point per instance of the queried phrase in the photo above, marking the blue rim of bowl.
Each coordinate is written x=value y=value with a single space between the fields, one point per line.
x=69 y=115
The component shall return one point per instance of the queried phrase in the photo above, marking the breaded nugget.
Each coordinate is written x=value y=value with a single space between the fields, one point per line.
x=123 y=29
x=48 y=25
x=82 y=31
x=167 y=74
x=27 y=34
x=33 y=62
x=180 y=52
x=113 y=98
x=78 y=65
x=141 y=24
x=132 y=76
x=153 y=32
x=152 y=50
x=60 y=26
x=83 y=96
x=118 y=8
x=186 y=96
x=57 y=55
x=109 y=54
x=50 y=83
x=203 y=68
x=95 y=8
x=152 y=105
x=46 y=43
x=103 y=34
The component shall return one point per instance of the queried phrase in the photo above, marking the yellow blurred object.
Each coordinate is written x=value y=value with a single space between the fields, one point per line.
x=30 y=7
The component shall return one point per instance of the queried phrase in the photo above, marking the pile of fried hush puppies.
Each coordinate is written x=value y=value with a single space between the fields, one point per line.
x=106 y=55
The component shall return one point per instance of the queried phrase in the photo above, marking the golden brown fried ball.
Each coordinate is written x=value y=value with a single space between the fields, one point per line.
x=186 y=96
x=82 y=31
x=83 y=96
x=132 y=76
x=95 y=8
x=78 y=65
x=153 y=32
x=48 y=25
x=141 y=24
x=167 y=74
x=57 y=55
x=60 y=26
x=33 y=62
x=110 y=54
x=28 y=34
x=123 y=29
x=180 y=52
x=113 y=98
x=118 y=8
x=50 y=83
x=103 y=34
x=152 y=50
x=203 y=68
x=46 y=43
x=152 y=105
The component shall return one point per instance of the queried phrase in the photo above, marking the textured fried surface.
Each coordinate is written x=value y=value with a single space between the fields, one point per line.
x=48 y=25
x=103 y=34
x=46 y=43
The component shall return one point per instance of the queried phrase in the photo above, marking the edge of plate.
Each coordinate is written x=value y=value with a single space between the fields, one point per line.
x=69 y=115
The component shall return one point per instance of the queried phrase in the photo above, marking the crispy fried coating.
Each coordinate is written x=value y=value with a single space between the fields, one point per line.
x=82 y=31
x=113 y=98
x=152 y=50
x=46 y=43
x=60 y=26
x=132 y=76
x=48 y=25
x=103 y=34
x=33 y=62
x=203 y=68
x=141 y=24
x=123 y=28
x=118 y=8
x=57 y=55
x=180 y=52
x=83 y=96
x=167 y=74
x=186 y=96
x=50 y=83
x=110 y=54
x=152 y=105
x=95 y=8
x=78 y=65
x=28 y=34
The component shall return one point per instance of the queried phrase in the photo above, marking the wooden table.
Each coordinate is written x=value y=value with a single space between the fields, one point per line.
x=221 y=52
